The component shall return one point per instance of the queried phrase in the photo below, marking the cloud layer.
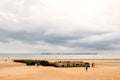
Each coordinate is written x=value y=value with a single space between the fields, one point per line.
x=59 y=25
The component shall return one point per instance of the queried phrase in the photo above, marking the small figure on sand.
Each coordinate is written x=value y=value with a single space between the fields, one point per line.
x=37 y=64
x=93 y=64
x=86 y=67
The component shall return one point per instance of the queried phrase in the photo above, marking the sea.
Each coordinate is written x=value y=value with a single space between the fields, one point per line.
x=58 y=56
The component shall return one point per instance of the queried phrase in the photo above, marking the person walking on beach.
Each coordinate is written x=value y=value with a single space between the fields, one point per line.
x=93 y=64
x=86 y=67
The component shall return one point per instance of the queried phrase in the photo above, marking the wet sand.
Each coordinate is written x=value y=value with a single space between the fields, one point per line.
x=103 y=70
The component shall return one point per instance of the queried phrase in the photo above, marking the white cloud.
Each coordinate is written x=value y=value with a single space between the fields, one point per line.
x=58 y=14
x=62 y=18
x=16 y=46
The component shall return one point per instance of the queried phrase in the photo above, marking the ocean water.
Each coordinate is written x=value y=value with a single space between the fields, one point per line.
x=57 y=56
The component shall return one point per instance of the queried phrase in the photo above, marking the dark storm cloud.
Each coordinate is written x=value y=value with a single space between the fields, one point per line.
x=33 y=37
x=54 y=39
x=102 y=45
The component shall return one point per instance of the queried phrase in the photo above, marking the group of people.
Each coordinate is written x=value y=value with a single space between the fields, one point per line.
x=87 y=66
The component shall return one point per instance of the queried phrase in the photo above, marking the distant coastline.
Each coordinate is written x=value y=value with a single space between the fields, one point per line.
x=58 y=56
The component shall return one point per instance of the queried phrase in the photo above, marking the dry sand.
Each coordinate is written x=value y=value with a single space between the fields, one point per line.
x=104 y=70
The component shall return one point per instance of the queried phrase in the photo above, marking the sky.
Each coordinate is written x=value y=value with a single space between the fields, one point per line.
x=37 y=26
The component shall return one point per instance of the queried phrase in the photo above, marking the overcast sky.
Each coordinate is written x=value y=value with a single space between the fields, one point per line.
x=60 y=26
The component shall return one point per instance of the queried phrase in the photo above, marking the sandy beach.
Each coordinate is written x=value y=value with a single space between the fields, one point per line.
x=103 y=70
